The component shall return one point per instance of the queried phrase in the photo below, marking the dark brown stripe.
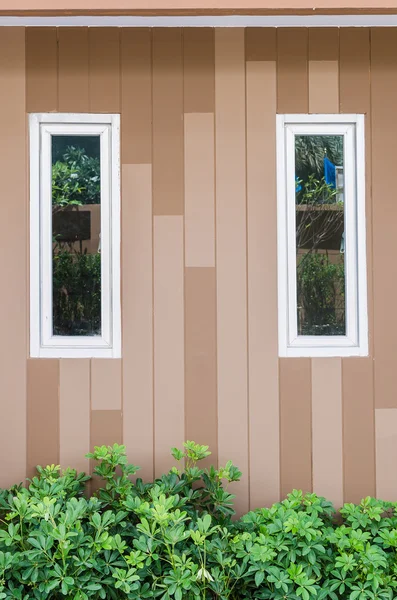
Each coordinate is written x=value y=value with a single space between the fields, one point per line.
x=42 y=413
x=136 y=96
x=292 y=76
x=167 y=122
x=200 y=358
x=41 y=69
x=260 y=43
x=295 y=424
x=358 y=428
x=199 y=70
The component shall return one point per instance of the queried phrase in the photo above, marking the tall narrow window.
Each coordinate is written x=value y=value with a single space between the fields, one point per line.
x=74 y=235
x=321 y=235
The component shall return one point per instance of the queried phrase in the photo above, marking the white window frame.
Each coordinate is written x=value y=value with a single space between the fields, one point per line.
x=355 y=342
x=42 y=341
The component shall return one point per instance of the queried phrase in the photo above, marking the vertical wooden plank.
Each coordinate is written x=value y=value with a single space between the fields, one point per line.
x=294 y=374
x=74 y=413
x=41 y=69
x=260 y=44
x=386 y=453
x=42 y=413
x=13 y=263
x=295 y=425
x=168 y=339
x=105 y=384
x=355 y=97
x=354 y=47
x=167 y=122
x=106 y=428
x=324 y=70
x=104 y=69
x=200 y=359
x=384 y=132
x=326 y=381
x=327 y=429
x=137 y=277
x=231 y=254
x=292 y=76
x=136 y=96
x=198 y=70
x=358 y=429
x=199 y=190
x=262 y=272
x=73 y=67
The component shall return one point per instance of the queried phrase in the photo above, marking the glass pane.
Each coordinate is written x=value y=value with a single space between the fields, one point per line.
x=76 y=219
x=320 y=264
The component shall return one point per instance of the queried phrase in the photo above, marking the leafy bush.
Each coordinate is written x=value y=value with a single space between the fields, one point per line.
x=175 y=539
x=76 y=291
x=75 y=179
x=321 y=295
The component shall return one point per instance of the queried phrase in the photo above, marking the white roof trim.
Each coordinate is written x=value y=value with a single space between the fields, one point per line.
x=204 y=21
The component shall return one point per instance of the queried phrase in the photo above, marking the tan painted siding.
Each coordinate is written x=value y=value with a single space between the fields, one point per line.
x=199 y=275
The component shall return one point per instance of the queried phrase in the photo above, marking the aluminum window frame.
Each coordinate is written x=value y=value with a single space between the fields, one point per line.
x=355 y=342
x=43 y=344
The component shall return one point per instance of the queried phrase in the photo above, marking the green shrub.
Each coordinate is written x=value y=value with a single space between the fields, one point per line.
x=176 y=539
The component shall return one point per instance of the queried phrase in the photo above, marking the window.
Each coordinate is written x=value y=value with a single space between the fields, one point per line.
x=321 y=235
x=74 y=235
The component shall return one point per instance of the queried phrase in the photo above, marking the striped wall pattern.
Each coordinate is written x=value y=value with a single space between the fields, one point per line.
x=199 y=298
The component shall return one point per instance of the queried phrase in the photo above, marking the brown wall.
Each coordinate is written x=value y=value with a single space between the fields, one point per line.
x=199 y=278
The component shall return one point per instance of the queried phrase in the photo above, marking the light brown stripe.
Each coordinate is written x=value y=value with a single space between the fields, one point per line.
x=384 y=135
x=231 y=255
x=358 y=429
x=106 y=428
x=104 y=69
x=136 y=95
x=169 y=365
x=260 y=44
x=292 y=76
x=42 y=413
x=74 y=413
x=386 y=453
x=167 y=122
x=262 y=282
x=105 y=384
x=13 y=266
x=323 y=70
x=199 y=190
x=73 y=84
x=295 y=425
x=199 y=73
x=41 y=69
x=200 y=359
x=137 y=277
x=327 y=429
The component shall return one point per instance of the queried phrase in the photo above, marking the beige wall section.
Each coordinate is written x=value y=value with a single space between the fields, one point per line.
x=384 y=131
x=13 y=257
x=231 y=253
x=386 y=452
x=199 y=295
x=169 y=366
x=327 y=422
x=263 y=388
x=74 y=413
x=137 y=274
